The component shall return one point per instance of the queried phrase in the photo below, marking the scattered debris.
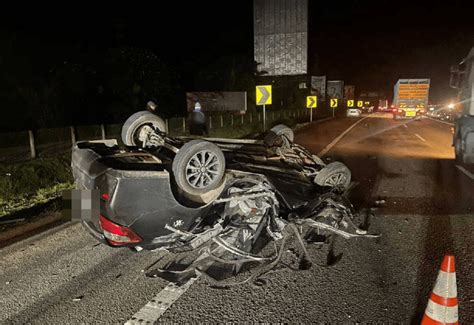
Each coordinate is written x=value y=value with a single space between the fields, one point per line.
x=78 y=298
x=8 y=282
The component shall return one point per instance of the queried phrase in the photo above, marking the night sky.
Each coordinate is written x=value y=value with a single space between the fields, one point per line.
x=367 y=43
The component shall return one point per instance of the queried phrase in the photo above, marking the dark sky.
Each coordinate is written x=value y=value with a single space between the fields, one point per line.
x=367 y=43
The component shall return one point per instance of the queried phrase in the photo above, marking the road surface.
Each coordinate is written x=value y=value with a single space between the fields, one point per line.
x=424 y=211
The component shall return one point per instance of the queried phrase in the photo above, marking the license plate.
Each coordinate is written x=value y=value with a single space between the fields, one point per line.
x=410 y=113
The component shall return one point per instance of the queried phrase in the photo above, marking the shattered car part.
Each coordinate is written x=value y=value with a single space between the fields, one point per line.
x=213 y=196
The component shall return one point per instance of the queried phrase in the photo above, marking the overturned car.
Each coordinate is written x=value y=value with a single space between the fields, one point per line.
x=181 y=194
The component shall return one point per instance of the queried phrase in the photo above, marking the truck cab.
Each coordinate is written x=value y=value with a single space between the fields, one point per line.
x=462 y=79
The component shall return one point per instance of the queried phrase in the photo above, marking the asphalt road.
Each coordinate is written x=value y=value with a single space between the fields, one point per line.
x=63 y=276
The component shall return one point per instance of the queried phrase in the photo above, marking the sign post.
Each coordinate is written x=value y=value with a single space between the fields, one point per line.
x=333 y=105
x=263 y=97
x=311 y=102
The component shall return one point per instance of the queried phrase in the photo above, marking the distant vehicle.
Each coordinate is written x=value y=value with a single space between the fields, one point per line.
x=353 y=112
x=462 y=79
x=410 y=98
x=383 y=105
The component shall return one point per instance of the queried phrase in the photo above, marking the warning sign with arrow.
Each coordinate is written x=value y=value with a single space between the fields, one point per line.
x=360 y=103
x=333 y=102
x=350 y=103
x=264 y=95
x=311 y=101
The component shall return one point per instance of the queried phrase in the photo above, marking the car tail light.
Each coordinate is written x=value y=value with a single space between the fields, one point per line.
x=400 y=111
x=105 y=197
x=116 y=234
x=394 y=110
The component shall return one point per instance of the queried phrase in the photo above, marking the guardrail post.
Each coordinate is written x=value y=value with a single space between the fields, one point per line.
x=273 y=115
x=210 y=122
x=222 y=121
x=167 y=126
x=231 y=119
x=32 y=144
x=102 y=131
x=250 y=117
x=242 y=119
x=73 y=134
x=259 y=117
x=184 y=124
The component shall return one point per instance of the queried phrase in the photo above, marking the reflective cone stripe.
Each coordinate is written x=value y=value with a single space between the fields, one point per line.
x=443 y=303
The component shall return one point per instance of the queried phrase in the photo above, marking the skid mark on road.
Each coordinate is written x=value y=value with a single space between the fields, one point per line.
x=420 y=137
x=465 y=172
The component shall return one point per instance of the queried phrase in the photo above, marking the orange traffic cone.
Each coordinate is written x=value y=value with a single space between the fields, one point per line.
x=443 y=304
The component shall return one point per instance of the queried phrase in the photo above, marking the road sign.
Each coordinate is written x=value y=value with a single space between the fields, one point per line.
x=360 y=103
x=264 y=95
x=311 y=101
x=350 y=103
x=333 y=102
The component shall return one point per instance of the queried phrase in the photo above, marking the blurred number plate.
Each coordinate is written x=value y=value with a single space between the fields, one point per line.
x=410 y=113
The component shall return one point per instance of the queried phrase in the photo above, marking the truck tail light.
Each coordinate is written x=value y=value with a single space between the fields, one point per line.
x=118 y=235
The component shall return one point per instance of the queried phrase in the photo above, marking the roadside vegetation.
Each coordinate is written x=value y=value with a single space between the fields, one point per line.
x=29 y=183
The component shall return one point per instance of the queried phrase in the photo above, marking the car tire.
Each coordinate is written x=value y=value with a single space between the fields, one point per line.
x=199 y=169
x=133 y=124
x=335 y=174
x=273 y=136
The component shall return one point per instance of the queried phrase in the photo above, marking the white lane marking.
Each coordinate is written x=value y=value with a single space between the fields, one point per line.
x=465 y=172
x=433 y=119
x=405 y=125
x=155 y=308
x=420 y=137
x=336 y=140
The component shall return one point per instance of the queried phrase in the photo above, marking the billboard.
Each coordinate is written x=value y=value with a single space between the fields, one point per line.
x=349 y=92
x=217 y=101
x=318 y=86
x=335 y=89
x=281 y=36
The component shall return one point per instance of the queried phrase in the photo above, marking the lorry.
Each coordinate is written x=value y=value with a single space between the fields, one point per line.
x=383 y=105
x=410 y=98
x=462 y=79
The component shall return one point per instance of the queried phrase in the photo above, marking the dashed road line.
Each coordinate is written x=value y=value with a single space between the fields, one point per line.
x=465 y=172
x=336 y=140
x=155 y=308
x=420 y=137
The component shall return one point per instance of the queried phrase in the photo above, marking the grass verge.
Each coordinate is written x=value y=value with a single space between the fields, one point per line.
x=29 y=183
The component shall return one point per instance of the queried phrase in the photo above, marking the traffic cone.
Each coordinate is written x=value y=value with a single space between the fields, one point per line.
x=443 y=304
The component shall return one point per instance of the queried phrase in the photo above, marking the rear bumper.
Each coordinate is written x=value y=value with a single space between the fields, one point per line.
x=94 y=233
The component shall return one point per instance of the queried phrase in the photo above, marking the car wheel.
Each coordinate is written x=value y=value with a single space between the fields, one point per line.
x=335 y=174
x=199 y=168
x=132 y=126
x=273 y=137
